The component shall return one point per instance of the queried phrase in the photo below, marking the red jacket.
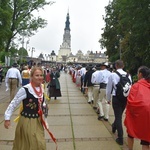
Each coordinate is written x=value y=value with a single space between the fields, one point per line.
x=137 y=119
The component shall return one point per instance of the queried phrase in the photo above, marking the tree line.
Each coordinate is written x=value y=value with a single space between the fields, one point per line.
x=17 y=22
x=126 y=34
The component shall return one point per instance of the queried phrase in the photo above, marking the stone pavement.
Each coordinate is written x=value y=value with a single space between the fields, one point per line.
x=72 y=121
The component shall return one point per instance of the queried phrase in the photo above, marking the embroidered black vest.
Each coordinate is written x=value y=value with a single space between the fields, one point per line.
x=30 y=106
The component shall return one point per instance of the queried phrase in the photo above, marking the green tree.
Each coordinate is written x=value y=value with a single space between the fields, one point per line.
x=21 y=19
x=110 y=38
x=136 y=44
x=127 y=28
x=5 y=21
x=2 y=56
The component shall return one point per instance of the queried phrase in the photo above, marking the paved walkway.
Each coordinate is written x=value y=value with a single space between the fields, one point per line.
x=71 y=119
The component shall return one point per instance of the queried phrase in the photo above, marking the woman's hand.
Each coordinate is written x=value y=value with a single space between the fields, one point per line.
x=7 y=124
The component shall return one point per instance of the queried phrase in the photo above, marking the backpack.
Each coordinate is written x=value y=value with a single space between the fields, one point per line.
x=123 y=86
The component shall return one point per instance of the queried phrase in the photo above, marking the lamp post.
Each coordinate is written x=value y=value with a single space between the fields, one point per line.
x=27 y=42
x=32 y=50
x=22 y=49
x=120 y=49
x=120 y=39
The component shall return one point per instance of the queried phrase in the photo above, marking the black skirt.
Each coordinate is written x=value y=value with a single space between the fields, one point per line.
x=53 y=92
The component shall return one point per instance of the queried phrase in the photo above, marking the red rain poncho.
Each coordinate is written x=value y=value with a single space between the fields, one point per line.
x=137 y=119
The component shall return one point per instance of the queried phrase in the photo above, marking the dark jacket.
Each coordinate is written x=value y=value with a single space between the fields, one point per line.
x=87 y=78
x=54 y=80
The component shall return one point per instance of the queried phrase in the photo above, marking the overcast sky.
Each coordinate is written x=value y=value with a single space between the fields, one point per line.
x=85 y=24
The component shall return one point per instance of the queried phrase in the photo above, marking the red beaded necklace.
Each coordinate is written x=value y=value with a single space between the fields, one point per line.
x=38 y=93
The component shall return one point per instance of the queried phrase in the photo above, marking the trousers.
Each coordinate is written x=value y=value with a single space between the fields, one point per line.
x=13 y=83
x=102 y=97
x=118 y=108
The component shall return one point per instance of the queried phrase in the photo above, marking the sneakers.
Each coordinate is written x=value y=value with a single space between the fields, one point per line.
x=100 y=117
x=119 y=141
x=105 y=119
x=91 y=102
x=94 y=107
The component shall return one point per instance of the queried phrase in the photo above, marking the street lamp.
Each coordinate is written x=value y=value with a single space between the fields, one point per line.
x=120 y=49
x=27 y=42
x=120 y=39
x=32 y=50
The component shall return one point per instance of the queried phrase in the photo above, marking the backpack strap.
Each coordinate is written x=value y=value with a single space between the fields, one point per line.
x=118 y=74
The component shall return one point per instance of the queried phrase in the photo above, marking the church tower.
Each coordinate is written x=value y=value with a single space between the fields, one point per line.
x=65 y=48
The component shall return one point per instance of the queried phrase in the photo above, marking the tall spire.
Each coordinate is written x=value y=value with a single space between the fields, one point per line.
x=67 y=27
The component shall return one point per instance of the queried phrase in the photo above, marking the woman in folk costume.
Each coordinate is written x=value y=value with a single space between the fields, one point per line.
x=25 y=75
x=78 y=76
x=48 y=76
x=29 y=132
x=54 y=85
x=137 y=119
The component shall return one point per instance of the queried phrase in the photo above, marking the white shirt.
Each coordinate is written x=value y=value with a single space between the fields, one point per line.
x=95 y=77
x=103 y=76
x=82 y=71
x=13 y=73
x=111 y=85
x=19 y=97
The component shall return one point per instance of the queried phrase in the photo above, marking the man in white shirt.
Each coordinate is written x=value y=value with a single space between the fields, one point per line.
x=12 y=78
x=82 y=73
x=103 y=79
x=117 y=104
x=96 y=84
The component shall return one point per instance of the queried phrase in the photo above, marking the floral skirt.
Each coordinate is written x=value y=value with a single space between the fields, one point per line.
x=29 y=135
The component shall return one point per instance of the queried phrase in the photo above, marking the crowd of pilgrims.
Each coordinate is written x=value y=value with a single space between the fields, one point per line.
x=97 y=83
x=51 y=79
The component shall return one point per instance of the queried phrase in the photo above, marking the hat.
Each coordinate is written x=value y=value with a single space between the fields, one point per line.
x=98 y=67
x=94 y=68
x=105 y=64
x=15 y=65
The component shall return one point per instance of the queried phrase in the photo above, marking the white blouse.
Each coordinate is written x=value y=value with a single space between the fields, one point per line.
x=19 y=97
